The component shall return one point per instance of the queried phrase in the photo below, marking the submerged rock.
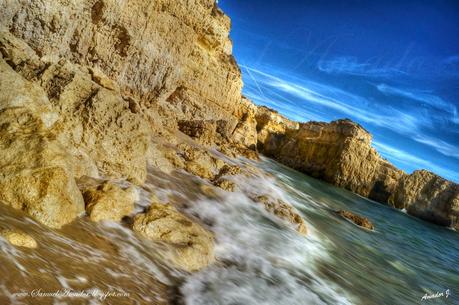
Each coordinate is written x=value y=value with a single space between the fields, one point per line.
x=225 y=184
x=191 y=245
x=284 y=211
x=109 y=202
x=19 y=238
x=358 y=220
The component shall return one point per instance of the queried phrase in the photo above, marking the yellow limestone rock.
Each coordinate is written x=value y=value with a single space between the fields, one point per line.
x=428 y=196
x=109 y=202
x=191 y=245
x=36 y=171
x=19 y=238
x=284 y=211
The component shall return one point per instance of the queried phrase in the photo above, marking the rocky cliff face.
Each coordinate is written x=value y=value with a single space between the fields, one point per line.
x=340 y=153
x=428 y=196
x=172 y=58
x=99 y=90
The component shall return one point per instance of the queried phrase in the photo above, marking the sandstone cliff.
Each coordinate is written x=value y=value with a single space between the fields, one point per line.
x=340 y=153
x=103 y=88
x=173 y=57
x=99 y=90
x=429 y=197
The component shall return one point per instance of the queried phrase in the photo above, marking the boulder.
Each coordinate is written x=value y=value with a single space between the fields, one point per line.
x=19 y=238
x=50 y=195
x=191 y=246
x=108 y=201
x=358 y=220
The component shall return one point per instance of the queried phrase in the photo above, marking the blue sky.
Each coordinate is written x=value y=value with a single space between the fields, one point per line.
x=392 y=66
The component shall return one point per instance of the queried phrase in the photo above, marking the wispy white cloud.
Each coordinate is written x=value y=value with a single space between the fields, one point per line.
x=350 y=65
x=441 y=146
x=417 y=95
x=413 y=162
x=278 y=93
x=333 y=98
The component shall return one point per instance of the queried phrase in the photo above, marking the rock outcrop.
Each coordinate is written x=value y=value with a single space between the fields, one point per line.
x=428 y=196
x=96 y=87
x=340 y=153
x=86 y=86
x=284 y=211
x=171 y=57
x=108 y=201
x=357 y=219
x=191 y=246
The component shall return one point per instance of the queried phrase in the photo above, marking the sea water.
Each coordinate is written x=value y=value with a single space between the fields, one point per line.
x=259 y=258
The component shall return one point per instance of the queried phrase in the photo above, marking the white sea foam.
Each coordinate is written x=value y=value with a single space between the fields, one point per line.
x=261 y=259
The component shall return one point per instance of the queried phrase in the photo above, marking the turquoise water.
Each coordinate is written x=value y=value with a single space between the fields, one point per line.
x=399 y=263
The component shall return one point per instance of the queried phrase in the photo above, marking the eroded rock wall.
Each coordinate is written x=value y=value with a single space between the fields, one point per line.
x=174 y=56
x=428 y=196
x=89 y=88
x=340 y=153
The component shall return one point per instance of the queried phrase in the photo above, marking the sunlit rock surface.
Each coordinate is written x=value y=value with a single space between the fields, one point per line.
x=19 y=238
x=109 y=202
x=191 y=245
x=357 y=219
x=340 y=153
x=428 y=196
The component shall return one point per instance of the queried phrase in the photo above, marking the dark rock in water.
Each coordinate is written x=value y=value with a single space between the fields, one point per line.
x=358 y=220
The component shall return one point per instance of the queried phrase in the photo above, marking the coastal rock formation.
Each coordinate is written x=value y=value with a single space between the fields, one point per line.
x=339 y=152
x=96 y=87
x=358 y=220
x=36 y=173
x=94 y=124
x=109 y=202
x=19 y=238
x=429 y=197
x=172 y=58
x=86 y=86
x=270 y=123
x=191 y=245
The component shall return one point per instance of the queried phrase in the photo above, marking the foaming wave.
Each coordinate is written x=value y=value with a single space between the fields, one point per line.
x=261 y=260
